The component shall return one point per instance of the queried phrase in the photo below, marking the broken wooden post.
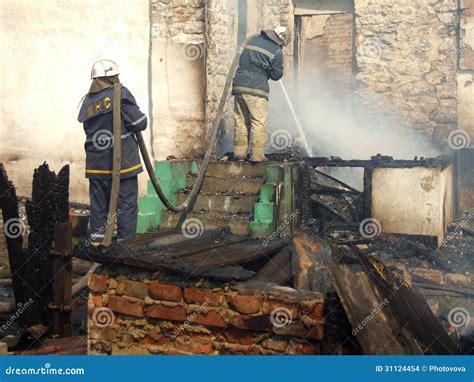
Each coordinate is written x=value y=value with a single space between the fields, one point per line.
x=62 y=257
x=39 y=266
x=13 y=229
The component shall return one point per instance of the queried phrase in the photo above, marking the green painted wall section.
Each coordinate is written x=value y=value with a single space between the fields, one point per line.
x=172 y=178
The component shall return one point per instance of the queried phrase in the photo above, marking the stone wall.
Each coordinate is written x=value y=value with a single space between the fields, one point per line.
x=178 y=81
x=406 y=56
x=134 y=312
x=466 y=66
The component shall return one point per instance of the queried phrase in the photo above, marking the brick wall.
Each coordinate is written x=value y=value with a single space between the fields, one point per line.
x=132 y=313
x=326 y=50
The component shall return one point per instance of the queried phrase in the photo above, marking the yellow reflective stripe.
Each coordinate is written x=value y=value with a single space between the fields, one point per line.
x=124 y=171
x=252 y=90
x=95 y=243
x=261 y=50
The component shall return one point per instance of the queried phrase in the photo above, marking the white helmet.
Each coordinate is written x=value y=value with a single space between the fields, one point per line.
x=283 y=34
x=104 y=68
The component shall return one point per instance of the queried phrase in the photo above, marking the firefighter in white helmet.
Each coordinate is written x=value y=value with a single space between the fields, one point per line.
x=96 y=116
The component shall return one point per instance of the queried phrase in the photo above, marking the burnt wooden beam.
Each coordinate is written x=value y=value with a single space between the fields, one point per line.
x=62 y=257
x=13 y=229
x=39 y=264
x=278 y=269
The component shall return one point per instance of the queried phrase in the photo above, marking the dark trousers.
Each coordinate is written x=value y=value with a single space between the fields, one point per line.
x=127 y=208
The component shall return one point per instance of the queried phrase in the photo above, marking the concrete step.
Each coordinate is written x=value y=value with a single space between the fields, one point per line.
x=222 y=203
x=228 y=186
x=238 y=224
x=236 y=169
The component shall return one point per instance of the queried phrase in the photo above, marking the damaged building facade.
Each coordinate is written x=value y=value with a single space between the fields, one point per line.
x=274 y=257
x=410 y=62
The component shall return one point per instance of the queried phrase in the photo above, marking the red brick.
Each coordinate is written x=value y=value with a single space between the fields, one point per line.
x=173 y=352
x=98 y=283
x=239 y=336
x=96 y=300
x=317 y=313
x=210 y=318
x=194 y=347
x=259 y=323
x=107 y=333
x=132 y=288
x=300 y=330
x=202 y=296
x=159 y=341
x=126 y=306
x=245 y=304
x=175 y=313
x=203 y=337
x=271 y=306
x=165 y=292
x=304 y=348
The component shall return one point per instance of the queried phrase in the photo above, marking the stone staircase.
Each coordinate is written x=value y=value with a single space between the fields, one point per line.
x=234 y=196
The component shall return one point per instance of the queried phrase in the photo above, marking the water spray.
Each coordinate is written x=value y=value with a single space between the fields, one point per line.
x=308 y=150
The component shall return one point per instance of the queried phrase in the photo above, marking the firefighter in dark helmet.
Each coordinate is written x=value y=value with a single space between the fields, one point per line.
x=96 y=116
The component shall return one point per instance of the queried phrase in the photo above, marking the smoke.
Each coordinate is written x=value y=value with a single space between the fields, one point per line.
x=335 y=126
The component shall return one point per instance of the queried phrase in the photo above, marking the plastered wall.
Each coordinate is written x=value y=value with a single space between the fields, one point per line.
x=48 y=48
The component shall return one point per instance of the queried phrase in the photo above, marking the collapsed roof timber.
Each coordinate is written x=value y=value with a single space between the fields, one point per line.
x=327 y=283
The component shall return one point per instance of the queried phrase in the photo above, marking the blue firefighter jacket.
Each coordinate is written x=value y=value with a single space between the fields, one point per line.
x=261 y=60
x=96 y=116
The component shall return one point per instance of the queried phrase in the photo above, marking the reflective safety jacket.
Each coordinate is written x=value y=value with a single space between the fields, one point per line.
x=261 y=60
x=97 y=117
